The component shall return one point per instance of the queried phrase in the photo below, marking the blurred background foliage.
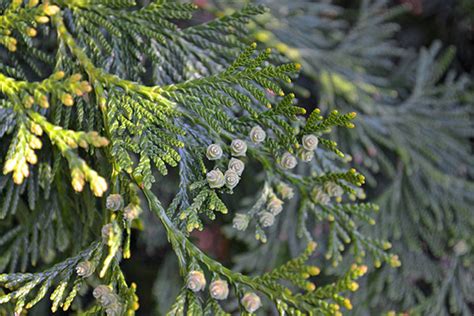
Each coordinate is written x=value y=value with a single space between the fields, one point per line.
x=406 y=68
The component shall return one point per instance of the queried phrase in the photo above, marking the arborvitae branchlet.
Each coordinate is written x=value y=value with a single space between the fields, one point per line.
x=413 y=142
x=122 y=95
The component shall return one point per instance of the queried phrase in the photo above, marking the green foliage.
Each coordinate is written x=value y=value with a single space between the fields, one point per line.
x=157 y=98
x=412 y=142
x=294 y=271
